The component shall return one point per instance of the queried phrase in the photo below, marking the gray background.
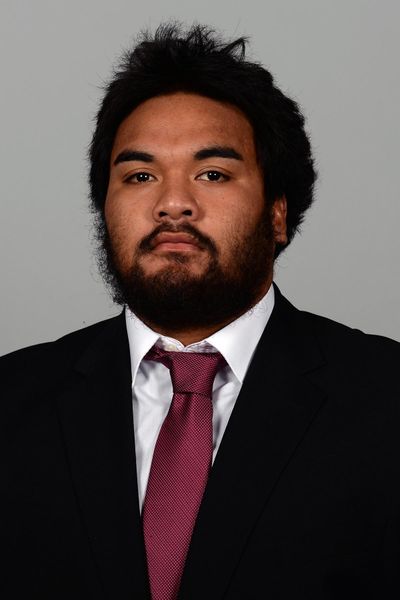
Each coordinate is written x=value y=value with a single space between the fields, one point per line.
x=339 y=59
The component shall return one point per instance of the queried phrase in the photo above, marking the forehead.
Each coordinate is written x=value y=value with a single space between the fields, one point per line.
x=185 y=120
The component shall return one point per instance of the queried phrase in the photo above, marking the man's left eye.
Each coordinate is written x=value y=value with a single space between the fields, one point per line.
x=216 y=176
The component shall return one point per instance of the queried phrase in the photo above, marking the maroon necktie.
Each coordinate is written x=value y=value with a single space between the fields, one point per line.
x=180 y=467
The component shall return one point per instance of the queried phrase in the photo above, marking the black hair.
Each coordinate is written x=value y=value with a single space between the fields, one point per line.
x=199 y=61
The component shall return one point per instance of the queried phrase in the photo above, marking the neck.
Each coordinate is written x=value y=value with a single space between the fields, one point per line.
x=191 y=336
x=196 y=334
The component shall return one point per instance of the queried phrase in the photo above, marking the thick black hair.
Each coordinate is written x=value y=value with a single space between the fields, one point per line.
x=199 y=61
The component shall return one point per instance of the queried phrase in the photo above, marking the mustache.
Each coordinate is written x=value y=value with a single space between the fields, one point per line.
x=204 y=242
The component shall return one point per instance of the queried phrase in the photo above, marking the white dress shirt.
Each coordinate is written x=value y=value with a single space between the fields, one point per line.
x=151 y=381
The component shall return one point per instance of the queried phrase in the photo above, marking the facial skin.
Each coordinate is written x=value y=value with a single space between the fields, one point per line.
x=186 y=216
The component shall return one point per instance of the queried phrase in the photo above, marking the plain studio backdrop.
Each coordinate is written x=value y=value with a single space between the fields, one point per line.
x=339 y=59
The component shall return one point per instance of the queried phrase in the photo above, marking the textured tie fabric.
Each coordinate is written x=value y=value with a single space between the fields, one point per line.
x=180 y=467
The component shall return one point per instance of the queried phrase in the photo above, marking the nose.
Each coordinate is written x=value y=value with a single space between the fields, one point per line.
x=175 y=201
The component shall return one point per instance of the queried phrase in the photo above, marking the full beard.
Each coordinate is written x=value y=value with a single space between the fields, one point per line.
x=175 y=299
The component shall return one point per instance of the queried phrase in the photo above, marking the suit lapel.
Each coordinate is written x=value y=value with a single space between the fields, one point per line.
x=273 y=412
x=96 y=417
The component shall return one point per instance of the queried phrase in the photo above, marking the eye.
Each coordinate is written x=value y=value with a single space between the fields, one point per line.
x=141 y=177
x=214 y=176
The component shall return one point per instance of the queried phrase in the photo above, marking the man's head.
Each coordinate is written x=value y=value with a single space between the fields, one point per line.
x=193 y=141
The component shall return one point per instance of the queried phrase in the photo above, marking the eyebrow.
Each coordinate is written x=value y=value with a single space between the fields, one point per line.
x=218 y=151
x=203 y=154
x=128 y=155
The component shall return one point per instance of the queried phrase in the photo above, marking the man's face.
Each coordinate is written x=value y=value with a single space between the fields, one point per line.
x=185 y=213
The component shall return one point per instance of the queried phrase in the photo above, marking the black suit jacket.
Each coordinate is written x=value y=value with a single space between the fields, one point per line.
x=303 y=500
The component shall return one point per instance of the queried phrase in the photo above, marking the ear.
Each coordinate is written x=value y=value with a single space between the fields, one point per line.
x=279 y=211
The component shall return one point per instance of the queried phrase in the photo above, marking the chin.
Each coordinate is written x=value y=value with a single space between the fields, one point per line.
x=175 y=262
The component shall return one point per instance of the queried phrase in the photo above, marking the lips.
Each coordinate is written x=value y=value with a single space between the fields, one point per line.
x=174 y=241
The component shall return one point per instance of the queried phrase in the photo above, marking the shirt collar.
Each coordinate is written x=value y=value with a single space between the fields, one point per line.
x=236 y=342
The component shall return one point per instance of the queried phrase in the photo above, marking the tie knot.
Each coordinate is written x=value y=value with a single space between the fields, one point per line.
x=191 y=372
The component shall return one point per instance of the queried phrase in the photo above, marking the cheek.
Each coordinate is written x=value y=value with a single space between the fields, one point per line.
x=243 y=233
x=240 y=220
x=112 y=213
x=123 y=222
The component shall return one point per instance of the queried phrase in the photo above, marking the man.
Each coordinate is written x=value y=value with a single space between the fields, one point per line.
x=200 y=176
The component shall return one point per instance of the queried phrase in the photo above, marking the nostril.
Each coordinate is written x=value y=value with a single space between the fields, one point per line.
x=175 y=213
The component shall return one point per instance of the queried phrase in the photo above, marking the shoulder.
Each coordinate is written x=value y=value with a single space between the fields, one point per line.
x=352 y=356
x=52 y=357
x=334 y=336
x=344 y=354
x=32 y=378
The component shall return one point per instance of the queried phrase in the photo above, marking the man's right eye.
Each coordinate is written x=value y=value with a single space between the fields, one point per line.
x=141 y=177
